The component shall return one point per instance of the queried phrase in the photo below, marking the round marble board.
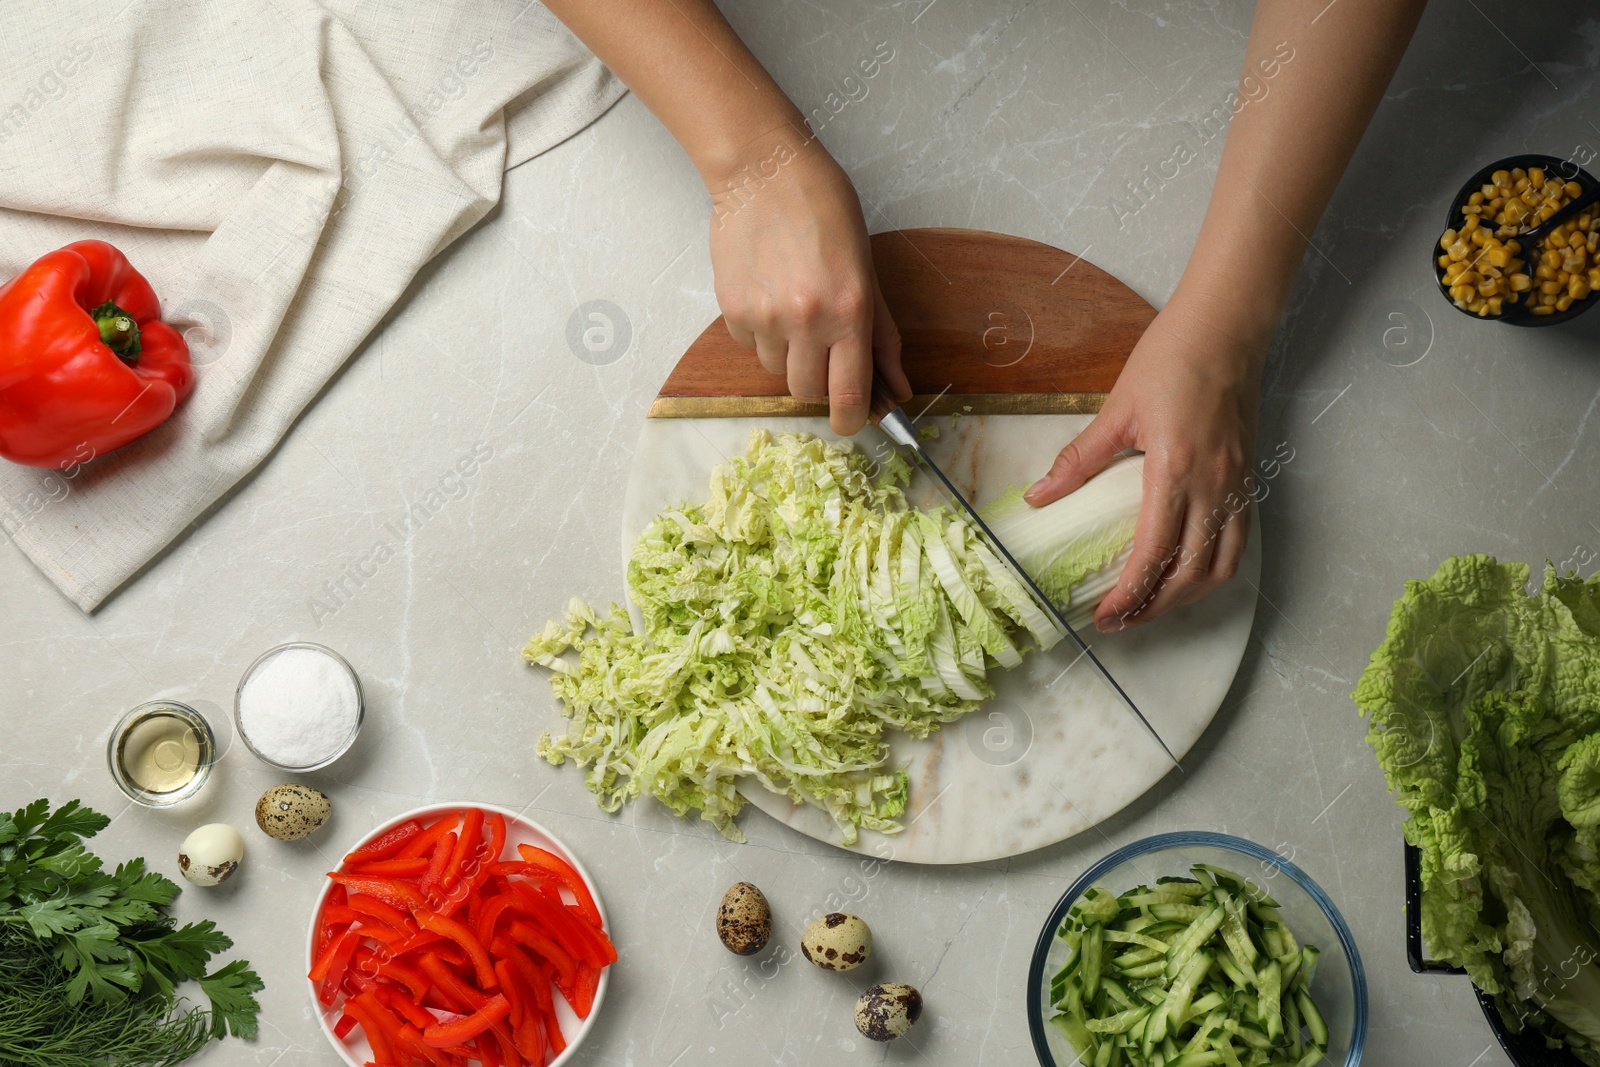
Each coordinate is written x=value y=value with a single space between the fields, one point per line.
x=1054 y=752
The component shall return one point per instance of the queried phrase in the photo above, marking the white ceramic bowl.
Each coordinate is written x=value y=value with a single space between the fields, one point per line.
x=355 y=1050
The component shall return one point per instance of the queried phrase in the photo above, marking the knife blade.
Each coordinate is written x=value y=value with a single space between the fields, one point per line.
x=892 y=419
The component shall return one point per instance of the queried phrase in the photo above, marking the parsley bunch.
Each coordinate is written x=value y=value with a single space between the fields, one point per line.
x=90 y=962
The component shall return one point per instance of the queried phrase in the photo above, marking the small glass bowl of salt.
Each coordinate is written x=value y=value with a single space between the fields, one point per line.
x=299 y=707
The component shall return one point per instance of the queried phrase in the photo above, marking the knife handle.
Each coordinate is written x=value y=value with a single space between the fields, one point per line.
x=887 y=414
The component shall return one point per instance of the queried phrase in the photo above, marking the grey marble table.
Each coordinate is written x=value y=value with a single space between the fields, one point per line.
x=1416 y=433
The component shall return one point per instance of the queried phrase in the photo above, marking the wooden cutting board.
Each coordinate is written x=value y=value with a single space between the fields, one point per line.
x=1022 y=341
x=990 y=325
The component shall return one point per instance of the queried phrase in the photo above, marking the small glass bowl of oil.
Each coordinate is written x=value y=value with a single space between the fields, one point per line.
x=161 y=753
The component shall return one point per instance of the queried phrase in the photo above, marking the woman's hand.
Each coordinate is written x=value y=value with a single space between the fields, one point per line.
x=795 y=281
x=1188 y=398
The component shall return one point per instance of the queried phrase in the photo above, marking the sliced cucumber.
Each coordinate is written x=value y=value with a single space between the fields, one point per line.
x=1189 y=972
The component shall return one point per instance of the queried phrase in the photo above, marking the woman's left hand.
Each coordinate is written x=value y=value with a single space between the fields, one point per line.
x=1188 y=398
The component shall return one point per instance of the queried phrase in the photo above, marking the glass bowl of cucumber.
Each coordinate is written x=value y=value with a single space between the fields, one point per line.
x=1196 y=948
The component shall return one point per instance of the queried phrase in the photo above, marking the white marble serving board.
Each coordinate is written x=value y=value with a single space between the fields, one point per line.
x=1054 y=752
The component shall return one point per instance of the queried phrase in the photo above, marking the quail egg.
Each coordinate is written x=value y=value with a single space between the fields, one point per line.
x=744 y=922
x=837 y=942
x=290 y=812
x=887 y=1011
x=211 y=854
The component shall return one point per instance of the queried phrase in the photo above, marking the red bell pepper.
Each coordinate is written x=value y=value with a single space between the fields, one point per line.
x=462 y=935
x=414 y=1039
x=568 y=877
x=406 y=868
x=562 y=924
x=391 y=891
x=444 y=1035
x=422 y=844
x=397 y=970
x=471 y=831
x=566 y=967
x=584 y=989
x=446 y=982
x=535 y=981
x=403 y=1006
x=440 y=861
x=86 y=364
x=347 y=1023
x=384 y=913
x=386 y=844
x=366 y=1015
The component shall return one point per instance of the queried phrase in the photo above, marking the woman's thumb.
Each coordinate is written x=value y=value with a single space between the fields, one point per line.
x=1085 y=456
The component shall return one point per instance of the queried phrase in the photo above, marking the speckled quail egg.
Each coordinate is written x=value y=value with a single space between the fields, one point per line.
x=211 y=854
x=837 y=942
x=887 y=1011
x=290 y=812
x=744 y=922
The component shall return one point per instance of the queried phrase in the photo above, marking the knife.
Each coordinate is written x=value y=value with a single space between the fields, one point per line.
x=892 y=419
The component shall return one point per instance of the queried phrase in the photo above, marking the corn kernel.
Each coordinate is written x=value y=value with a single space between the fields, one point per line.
x=1563 y=302
x=1495 y=305
x=1547 y=299
x=1542 y=310
x=1475 y=199
x=1550 y=288
x=1521 y=283
x=1578 y=287
x=1573 y=190
x=1448 y=239
x=1499 y=257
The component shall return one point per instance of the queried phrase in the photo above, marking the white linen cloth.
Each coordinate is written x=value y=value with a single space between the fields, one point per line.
x=279 y=171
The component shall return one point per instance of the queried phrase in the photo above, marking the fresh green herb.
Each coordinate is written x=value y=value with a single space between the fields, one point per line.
x=90 y=963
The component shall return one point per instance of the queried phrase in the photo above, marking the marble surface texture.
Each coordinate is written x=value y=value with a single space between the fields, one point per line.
x=1055 y=751
x=1417 y=433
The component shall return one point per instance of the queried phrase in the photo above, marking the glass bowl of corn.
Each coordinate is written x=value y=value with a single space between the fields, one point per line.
x=1486 y=272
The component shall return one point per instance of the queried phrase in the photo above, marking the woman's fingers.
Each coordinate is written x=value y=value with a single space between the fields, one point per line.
x=1189 y=570
x=1085 y=456
x=773 y=351
x=1155 y=546
x=808 y=369
x=1231 y=540
x=886 y=346
x=850 y=380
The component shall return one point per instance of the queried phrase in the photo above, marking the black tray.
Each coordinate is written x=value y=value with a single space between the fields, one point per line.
x=1526 y=1048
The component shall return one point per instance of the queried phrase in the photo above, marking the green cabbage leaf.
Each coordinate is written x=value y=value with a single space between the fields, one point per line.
x=1484 y=704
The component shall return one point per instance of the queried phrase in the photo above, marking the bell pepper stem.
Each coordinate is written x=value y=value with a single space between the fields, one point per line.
x=118 y=330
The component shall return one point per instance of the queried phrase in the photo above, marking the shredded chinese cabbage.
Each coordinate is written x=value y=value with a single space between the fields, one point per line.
x=792 y=619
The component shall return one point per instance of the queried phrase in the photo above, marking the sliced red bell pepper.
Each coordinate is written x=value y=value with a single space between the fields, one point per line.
x=340 y=915
x=509 y=1055
x=407 y=868
x=385 y=844
x=584 y=988
x=413 y=1038
x=484 y=1049
x=403 y=1006
x=399 y=971
x=490 y=914
x=462 y=935
x=536 y=939
x=566 y=927
x=337 y=895
x=422 y=844
x=444 y=1035
x=471 y=830
x=448 y=983
x=437 y=864
x=387 y=914
x=365 y=1013
x=509 y=985
x=346 y=1023
x=391 y=891
x=567 y=876
x=530 y=1039
x=420 y=939
x=328 y=968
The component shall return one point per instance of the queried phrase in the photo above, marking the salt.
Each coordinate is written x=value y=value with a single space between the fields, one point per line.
x=300 y=707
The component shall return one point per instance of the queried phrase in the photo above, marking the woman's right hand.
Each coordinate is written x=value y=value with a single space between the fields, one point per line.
x=794 y=276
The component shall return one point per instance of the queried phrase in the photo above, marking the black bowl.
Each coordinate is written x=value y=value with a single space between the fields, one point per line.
x=1526 y=1047
x=1514 y=316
